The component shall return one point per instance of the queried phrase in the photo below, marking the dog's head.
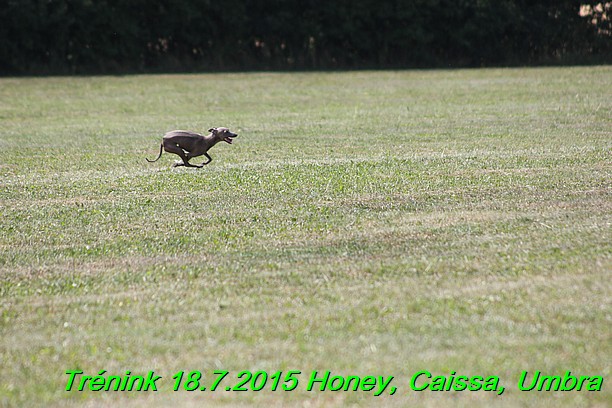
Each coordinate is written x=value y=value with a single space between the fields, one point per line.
x=222 y=134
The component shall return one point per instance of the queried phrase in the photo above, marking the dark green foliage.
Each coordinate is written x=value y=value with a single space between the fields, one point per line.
x=111 y=36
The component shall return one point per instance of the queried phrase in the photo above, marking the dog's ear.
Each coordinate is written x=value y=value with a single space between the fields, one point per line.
x=212 y=130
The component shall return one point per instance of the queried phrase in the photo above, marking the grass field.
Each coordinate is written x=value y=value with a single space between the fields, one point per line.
x=367 y=223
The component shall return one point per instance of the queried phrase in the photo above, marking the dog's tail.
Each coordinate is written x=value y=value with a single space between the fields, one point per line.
x=161 y=150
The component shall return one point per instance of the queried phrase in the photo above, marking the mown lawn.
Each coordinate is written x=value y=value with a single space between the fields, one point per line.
x=366 y=223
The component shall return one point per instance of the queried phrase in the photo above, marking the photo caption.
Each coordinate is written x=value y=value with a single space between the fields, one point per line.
x=325 y=380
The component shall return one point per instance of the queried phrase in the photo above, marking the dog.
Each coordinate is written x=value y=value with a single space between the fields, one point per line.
x=190 y=144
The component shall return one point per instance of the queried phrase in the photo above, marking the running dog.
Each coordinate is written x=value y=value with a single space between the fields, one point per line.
x=190 y=144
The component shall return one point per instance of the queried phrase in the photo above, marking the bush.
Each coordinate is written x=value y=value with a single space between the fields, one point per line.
x=114 y=36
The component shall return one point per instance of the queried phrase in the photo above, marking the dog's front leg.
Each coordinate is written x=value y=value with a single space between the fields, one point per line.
x=209 y=159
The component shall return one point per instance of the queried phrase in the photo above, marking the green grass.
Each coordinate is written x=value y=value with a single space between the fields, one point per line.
x=367 y=223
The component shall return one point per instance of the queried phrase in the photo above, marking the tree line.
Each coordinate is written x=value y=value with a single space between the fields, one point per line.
x=123 y=36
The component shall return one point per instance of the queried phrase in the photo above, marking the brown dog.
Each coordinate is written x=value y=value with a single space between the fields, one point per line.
x=189 y=144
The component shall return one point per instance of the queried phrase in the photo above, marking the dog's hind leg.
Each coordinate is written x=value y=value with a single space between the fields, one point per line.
x=186 y=164
x=174 y=148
